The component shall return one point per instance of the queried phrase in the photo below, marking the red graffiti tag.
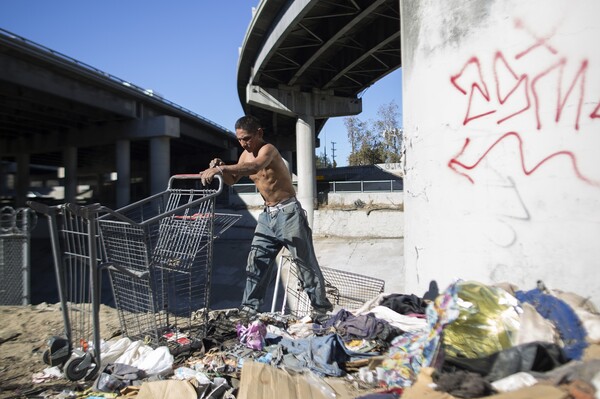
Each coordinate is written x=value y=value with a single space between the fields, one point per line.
x=454 y=162
x=561 y=101
x=539 y=41
x=596 y=112
x=519 y=79
x=511 y=85
x=480 y=86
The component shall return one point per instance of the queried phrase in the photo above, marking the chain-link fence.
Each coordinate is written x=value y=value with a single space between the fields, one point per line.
x=15 y=267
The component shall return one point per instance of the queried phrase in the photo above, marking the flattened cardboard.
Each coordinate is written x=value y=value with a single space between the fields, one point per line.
x=263 y=381
x=167 y=389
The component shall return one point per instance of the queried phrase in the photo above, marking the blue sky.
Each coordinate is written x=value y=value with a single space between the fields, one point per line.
x=186 y=50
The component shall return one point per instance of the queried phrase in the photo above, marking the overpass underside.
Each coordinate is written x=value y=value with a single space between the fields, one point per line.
x=305 y=61
x=125 y=142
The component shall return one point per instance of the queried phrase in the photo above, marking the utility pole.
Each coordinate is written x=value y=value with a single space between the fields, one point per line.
x=332 y=153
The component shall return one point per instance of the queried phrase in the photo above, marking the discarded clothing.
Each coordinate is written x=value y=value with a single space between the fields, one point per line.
x=412 y=351
x=564 y=318
x=364 y=326
x=462 y=384
x=117 y=376
x=323 y=355
x=405 y=304
x=252 y=336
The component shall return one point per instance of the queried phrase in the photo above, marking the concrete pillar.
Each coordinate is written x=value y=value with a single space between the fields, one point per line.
x=160 y=163
x=3 y=177
x=123 y=156
x=22 y=183
x=305 y=147
x=70 y=180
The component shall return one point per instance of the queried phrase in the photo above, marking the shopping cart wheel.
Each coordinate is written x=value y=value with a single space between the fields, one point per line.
x=80 y=367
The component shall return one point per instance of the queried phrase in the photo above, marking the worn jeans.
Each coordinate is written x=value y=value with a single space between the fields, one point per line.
x=287 y=227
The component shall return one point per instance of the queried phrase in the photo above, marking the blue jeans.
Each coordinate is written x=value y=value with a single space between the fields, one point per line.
x=287 y=227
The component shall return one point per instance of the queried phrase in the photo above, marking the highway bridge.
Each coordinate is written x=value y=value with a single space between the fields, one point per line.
x=301 y=62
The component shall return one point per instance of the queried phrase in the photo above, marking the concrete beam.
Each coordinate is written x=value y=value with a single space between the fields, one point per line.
x=46 y=80
x=292 y=102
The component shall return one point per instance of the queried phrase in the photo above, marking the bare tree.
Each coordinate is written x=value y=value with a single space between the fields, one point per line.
x=379 y=141
x=389 y=128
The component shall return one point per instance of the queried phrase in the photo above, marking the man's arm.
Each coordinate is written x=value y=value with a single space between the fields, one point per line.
x=245 y=166
x=248 y=165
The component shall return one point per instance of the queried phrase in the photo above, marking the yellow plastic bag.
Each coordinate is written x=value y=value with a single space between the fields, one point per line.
x=488 y=321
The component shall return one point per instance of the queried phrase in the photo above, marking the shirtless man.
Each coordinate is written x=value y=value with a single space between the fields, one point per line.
x=283 y=222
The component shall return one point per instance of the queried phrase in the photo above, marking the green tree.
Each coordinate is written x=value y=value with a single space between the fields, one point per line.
x=323 y=161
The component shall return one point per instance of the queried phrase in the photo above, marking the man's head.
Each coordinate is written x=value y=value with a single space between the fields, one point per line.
x=249 y=132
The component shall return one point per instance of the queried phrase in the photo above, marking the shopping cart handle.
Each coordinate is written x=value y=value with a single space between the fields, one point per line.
x=84 y=211
x=195 y=176
x=39 y=207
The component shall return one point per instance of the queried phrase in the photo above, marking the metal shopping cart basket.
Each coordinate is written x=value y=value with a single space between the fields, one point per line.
x=77 y=255
x=343 y=289
x=159 y=253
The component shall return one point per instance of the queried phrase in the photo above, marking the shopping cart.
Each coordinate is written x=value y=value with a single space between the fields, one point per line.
x=159 y=253
x=343 y=289
x=77 y=255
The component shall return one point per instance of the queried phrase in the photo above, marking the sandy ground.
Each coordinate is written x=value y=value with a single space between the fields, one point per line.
x=24 y=332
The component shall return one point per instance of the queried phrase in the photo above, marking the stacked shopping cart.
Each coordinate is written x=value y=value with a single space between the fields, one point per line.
x=158 y=253
x=160 y=256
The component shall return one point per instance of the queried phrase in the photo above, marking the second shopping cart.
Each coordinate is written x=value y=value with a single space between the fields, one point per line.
x=159 y=253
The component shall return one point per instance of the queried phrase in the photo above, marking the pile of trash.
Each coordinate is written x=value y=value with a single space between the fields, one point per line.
x=473 y=340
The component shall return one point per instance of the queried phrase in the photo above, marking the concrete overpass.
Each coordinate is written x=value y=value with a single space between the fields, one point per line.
x=304 y=61
x=56 y=111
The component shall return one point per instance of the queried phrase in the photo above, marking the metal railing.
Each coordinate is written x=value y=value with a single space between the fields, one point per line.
x=372 y=186
x=362 y=186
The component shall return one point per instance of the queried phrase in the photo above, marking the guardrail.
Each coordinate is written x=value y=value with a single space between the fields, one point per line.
x=362 y=186
x=359 y=186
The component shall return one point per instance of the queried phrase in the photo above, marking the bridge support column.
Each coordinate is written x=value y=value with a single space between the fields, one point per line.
x=123 y=156
x=69 y=155
x=305 y=147
x=160 y=161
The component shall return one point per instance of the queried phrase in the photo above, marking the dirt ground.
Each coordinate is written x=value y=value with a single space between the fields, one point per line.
x=24 y=332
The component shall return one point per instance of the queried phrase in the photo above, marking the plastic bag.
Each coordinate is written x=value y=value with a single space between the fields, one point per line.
x=488 y=321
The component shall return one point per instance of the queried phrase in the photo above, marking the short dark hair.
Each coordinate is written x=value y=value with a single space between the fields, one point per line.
x=249 y=123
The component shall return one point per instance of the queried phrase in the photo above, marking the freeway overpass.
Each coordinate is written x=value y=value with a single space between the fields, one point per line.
x=58 y=112
x=301 y=62
x=305 y=61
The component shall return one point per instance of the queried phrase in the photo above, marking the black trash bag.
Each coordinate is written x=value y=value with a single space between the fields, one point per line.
x=534 y=356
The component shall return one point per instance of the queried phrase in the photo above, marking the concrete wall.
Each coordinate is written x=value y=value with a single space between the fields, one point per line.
x=349 y=199
x=502 y=133
x=360 y=223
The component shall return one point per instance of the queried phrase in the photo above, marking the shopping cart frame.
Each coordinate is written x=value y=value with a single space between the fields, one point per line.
x=77 y=258
x=147 y=285
x=344 y=289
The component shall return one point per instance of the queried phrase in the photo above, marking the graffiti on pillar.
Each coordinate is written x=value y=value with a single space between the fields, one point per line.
x=509 y=93
x=527 y=169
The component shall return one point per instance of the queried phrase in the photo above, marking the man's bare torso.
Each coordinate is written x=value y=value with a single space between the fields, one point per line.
x=274 y=181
